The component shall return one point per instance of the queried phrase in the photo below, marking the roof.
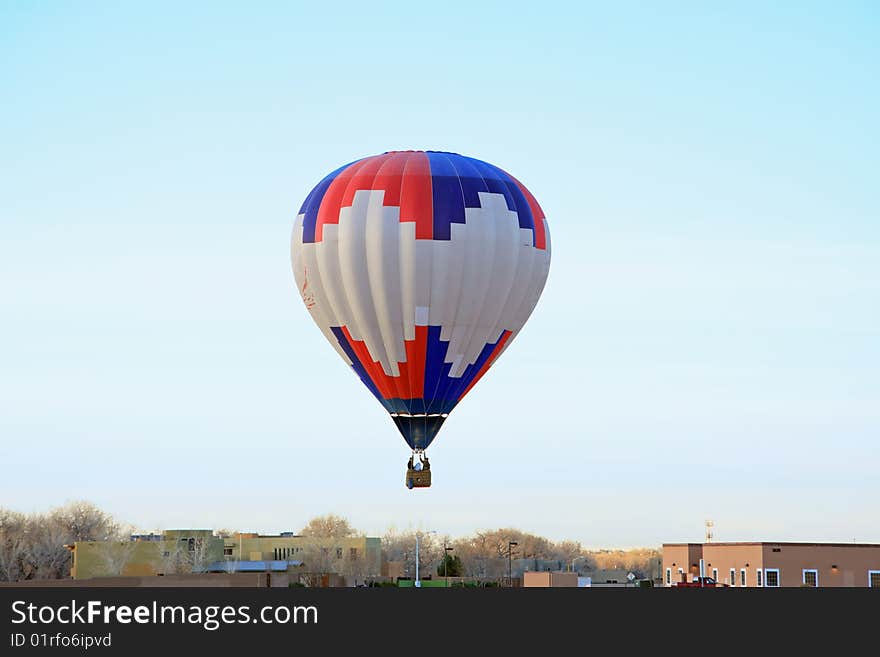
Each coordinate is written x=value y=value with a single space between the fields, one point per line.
x=250 y=566
x=772 y=543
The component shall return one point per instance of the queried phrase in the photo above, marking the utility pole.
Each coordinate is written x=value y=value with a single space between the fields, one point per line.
x=510 y=545
x=446 y=551
x=418 y=581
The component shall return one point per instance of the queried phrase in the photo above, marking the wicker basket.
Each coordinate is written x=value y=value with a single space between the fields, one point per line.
x=418 y=478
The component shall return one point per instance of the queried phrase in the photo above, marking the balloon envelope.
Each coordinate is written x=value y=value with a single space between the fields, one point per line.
x=420 y=268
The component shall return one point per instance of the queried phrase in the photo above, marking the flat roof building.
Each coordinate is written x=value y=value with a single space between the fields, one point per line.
x=185 y=551
x=772 y=565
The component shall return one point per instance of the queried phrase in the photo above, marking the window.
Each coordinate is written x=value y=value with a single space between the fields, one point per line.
x=227 y=551
x=715 y=574
x=811 y=577
x=760 y=579
x=771 y=577
x=874 y=579
x=733 y=577
x=353 y=554
x=338 y=553
x=742 y=577
x=669 y=577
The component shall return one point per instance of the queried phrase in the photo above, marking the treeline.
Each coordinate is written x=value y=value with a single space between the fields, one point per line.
x=33 y=546
x=485 y=553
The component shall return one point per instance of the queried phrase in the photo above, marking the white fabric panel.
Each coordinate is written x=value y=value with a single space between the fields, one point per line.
x=383 y=229
x=371 y=275
x=479 y=249
x=354 y=281
x=540 y=268
x=424 y=272
x=408 y=278
x=499 y=277
x=522 y=275
x=309 y=283
x=330 y=273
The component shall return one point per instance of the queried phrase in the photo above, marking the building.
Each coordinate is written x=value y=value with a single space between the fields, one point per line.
x=354 y=556
x=177 y=551
x=220 y=580
x=771 y=565
x=608 y=577
x=545 y=579
x=182 y=551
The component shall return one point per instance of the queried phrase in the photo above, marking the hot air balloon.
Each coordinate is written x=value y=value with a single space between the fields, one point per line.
x=420 y=267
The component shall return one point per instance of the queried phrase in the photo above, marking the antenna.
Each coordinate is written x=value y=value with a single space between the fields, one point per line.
x=709 y=533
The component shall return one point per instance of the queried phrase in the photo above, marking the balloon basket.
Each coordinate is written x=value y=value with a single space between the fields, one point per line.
x=418 y=478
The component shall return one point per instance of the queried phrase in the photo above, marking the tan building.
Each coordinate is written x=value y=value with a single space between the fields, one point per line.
x=356 y=556
x=174 y=552
x=182 y=551
x=771 y=565
x=235 y=580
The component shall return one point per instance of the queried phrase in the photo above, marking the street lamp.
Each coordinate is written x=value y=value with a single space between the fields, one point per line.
x=446 y=551
x=418 y=581
x=510 y=545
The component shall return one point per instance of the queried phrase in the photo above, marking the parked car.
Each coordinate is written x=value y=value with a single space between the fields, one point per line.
x=700 y=583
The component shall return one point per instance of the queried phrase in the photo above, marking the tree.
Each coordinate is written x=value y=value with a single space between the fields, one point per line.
x=115 y=556
x=183 y=556
x=83 y=521
x=35 y=546
x=355 y=565
x=485 y=553
x=450 y=566
x=329 y=526
x=567 y=551
x=47 y=556
x=319 y=556
x=13 y=546
x=642 y=562
x=402 y=547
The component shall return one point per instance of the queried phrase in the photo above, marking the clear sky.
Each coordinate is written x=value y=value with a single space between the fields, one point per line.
x=707 y=346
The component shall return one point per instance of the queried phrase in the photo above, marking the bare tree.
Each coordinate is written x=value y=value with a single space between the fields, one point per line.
x=394 y=547
x=329 y=526
x=13 y=546
x=640 y=561
x=200 y=554
x=401 y=547
x=116 y=555
x=47 y=556
x=184 y=556
x=83 y=521
x=485 y=553
x=173 y=558
x=355 y=565
x=319 y=559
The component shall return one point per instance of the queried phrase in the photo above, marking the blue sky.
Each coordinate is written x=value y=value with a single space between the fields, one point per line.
x=707 y=345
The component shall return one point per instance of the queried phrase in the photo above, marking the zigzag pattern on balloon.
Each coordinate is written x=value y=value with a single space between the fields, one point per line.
x=420 y=284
